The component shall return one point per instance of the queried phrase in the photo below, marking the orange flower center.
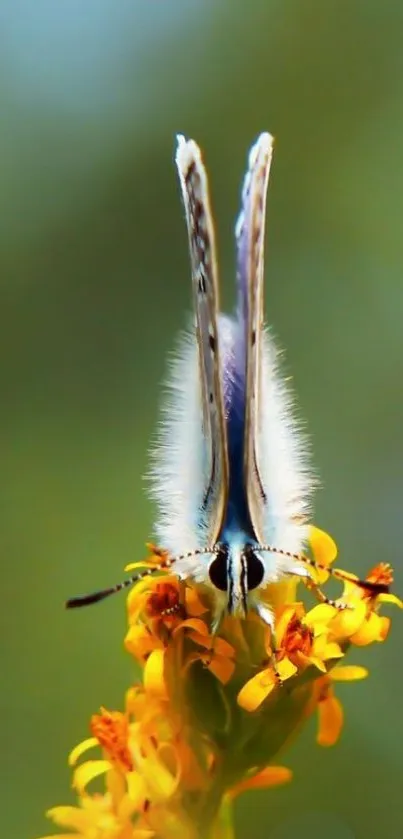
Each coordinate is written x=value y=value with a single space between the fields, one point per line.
x=111 y=728
x=298 y=638
x=382 y=574
x=164 y=600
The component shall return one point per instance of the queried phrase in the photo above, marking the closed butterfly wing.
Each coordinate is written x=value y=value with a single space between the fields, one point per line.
x=277 y=474
x=193 y=180
x=250 y=241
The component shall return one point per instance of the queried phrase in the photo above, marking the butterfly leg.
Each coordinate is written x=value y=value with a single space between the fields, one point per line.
x=317 y=592
x=267 y=616
x=219 y=611
x=215 y=626
x=182 y=595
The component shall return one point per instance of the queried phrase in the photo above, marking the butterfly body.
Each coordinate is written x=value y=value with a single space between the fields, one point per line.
x=230 y=467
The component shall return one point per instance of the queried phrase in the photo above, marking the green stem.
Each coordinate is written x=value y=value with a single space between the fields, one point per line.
x=211 y=812
x=223 y=827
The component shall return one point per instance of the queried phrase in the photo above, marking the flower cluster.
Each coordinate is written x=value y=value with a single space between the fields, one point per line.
x=212 y=711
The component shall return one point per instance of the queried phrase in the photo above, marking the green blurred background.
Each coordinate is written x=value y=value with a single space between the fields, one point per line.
x=94 y=286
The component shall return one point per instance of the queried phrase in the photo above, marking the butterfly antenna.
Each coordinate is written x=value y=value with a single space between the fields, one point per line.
x=337 y=573
x=97 y=596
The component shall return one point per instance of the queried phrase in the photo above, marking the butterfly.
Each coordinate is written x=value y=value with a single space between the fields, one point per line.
x=231 y=474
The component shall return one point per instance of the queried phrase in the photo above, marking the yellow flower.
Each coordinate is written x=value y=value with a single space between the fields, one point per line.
x=213 y=710
x=111 y=729
x=116 y=814
x=172 y=628
x=97 y=818
x=302 y=641
x=360 y=622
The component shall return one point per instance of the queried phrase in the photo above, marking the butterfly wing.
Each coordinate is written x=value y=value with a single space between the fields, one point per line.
x=250 y=247
x=193 y=180
x=277 y=471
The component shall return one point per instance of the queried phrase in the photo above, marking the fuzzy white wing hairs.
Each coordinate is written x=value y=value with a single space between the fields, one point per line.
x=278 y=482
x=193 y=180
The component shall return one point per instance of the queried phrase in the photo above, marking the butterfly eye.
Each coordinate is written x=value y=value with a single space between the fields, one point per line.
x=255 y=569
x=218 y=570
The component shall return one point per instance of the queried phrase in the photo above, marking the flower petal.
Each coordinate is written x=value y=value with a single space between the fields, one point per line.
x=285 y=669
x=323 y=547
x=324 y=552
x=390 y=598
x=132 y=566
x=255 y=691
x=82 y=747
x=115 y=785
x=317 y=662
x=384 y=628
x=271 y=776
x=375 y=628
x=196 y=624
x=140 y=642
x=154 y=675
x=161 y=780
x=348 y=622
x=204 y=641
x=59 y=836
x=215 y=644
x=135 y=788
x=348 y=673
x=332 y=650
x=320 y=614
x=222 y=668
x=142 y=833
x=194 y=606
x=88 y=771
x=331 y=719
x=221 y=647
x=283 y=621
x=67 y=816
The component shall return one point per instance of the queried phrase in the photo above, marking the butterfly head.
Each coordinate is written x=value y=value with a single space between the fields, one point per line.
x=236 y=570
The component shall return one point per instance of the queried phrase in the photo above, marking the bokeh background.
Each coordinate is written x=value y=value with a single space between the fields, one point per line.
x=94 y=286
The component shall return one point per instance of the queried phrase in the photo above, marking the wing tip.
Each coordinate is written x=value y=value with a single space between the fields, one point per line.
x=262 y=147
x=187 y=153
